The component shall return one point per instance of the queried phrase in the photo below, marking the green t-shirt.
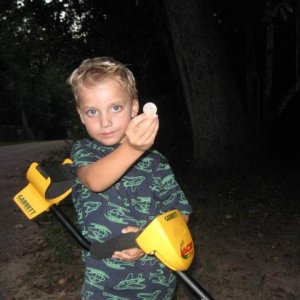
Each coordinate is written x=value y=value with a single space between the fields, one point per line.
x=146 y=190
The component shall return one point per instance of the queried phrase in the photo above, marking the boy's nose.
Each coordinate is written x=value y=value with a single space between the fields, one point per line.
x=105 y=121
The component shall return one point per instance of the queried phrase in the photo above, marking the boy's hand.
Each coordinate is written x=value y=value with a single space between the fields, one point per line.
x=131 y=254
x=141 y=131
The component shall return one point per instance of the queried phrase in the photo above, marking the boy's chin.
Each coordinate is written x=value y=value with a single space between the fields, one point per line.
x=109 y=142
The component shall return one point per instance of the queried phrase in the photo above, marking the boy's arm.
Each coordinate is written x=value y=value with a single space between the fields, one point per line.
x=133 y=254
x=104 y=172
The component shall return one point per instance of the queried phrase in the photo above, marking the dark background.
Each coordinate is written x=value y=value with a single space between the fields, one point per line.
x=225 y=77
x=43 y=41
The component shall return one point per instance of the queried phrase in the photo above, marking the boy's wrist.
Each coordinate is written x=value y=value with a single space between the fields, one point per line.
x=137 y=149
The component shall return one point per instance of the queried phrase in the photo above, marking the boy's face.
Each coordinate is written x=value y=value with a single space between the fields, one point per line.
x=105 y=110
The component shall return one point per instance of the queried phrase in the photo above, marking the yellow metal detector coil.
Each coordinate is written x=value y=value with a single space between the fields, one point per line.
x=32 y=199
x=169 y=239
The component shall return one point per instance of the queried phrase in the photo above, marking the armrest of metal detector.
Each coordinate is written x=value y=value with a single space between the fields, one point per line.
x=46 y=186
x=118 y=243
x=168 y=240
x=167 y=237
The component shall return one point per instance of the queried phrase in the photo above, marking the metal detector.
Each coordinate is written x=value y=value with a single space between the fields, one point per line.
x=167 y=237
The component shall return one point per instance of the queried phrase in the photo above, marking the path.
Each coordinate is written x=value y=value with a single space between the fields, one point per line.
x=16 y=231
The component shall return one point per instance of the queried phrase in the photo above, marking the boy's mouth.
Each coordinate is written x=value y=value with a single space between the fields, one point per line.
x=107 y=134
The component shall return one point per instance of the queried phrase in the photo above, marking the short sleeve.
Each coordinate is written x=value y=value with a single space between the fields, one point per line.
x=82 y=154
x=166 y=189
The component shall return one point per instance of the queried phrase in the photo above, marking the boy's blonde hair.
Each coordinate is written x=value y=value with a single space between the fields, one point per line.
x=95 y=70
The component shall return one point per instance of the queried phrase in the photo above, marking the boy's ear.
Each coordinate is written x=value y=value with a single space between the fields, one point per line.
x=80 y=114
x=135 y=108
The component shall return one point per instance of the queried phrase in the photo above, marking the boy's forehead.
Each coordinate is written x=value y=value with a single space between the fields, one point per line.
x=108 y=89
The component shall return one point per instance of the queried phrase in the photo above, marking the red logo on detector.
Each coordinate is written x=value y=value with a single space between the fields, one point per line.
x=186 y=251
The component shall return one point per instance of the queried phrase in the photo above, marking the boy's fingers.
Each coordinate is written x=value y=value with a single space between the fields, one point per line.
x=138 y=119
x=146 y=128
x=151 y=132
x=142 y=122
x=142 y=131
x=130 y=229
x=129 y=254
x=148 y=137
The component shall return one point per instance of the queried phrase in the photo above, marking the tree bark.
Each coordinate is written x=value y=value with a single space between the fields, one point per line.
x=297 y=38
x=29 y=133
x=269 y=62
x=253 y=86
x=211 y=94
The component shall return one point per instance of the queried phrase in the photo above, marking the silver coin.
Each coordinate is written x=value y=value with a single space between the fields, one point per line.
x=150 y=109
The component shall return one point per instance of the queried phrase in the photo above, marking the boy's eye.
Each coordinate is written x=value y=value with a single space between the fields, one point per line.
x=116 y=108
x=91 y=112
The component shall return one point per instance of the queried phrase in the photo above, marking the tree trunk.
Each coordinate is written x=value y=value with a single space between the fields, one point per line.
x=253 y=86
x=269 y=62
x=29 y=133
x=211 y=94
x=297 y=38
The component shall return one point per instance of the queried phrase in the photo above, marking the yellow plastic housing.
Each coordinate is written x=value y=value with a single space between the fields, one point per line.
x=31 y=199
x=169 y=239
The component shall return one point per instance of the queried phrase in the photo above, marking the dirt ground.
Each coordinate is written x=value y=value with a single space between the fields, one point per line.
x=22 y=243
x=246 y=229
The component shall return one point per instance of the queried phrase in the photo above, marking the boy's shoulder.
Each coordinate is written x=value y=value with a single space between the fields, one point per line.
x=154 y=153
x=157 y=158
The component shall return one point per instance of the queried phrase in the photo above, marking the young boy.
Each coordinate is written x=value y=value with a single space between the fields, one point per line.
x=122 y=184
